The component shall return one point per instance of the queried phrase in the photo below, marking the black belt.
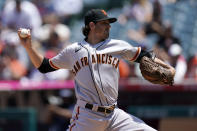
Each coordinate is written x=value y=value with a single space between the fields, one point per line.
x=101 y=109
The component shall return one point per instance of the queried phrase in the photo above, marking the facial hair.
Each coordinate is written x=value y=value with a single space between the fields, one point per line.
x=106 y=33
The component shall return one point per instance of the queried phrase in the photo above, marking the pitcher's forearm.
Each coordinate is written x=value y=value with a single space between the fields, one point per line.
x=26 y=42
x=35 y=57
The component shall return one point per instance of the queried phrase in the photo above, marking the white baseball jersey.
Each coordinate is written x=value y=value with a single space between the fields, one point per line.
x=96 y=82
x=96 y=68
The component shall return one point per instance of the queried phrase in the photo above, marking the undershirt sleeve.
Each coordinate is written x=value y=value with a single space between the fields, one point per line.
x=45 y=66
x=142 y=54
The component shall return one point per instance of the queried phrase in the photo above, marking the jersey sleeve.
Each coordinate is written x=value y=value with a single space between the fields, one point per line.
x=129 y=52
x=61 y=60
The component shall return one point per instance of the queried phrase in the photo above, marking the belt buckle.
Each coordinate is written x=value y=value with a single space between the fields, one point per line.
x=105 y=111
x=111 y=107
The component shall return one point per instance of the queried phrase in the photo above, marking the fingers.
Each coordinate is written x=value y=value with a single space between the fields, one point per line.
x=24 y=33
x=25 y=37
x=18 y=32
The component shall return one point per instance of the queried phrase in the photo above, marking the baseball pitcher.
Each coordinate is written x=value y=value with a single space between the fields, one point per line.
x=94 y=62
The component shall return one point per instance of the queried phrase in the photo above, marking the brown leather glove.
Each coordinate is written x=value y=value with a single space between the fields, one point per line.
x=156 y=73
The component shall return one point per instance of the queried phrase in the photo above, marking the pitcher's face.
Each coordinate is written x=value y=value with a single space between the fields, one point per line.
x=102 y=29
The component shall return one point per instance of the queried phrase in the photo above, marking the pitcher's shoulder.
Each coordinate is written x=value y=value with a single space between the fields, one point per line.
x=73 y=47
x=117 y=42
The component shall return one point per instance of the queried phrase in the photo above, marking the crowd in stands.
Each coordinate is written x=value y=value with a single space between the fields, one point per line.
x=54 y=25
x=151 y=24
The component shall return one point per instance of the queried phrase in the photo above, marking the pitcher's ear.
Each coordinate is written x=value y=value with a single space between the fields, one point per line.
x=92 y=25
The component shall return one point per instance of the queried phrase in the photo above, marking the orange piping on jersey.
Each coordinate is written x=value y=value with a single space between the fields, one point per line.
x=75 y=119
x=52 y=65
x=72 y=127
x=136 y=55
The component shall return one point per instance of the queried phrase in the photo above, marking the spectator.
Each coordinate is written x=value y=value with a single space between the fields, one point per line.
x=168 y=38
x=53 y=37
x=140 y=10
x=60 y=110
x=64 y=9
x=14 y=63
x=192 y=68
x=178 y=61
x=138 y=13
x=21 y=14
x=12 y=68
x=155 y=26
x=124 y=69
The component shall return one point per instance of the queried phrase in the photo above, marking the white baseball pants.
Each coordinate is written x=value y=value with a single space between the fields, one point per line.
x=87 y=120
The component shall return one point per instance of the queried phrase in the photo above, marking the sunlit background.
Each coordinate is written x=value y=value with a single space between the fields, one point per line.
x=31 y=101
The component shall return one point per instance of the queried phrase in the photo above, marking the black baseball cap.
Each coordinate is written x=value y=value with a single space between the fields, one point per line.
x=96 y=15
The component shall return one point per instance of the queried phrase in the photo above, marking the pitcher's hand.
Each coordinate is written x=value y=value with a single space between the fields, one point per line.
x=26 y=42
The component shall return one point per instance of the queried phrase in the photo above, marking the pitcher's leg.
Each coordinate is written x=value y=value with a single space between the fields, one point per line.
x=122 y=121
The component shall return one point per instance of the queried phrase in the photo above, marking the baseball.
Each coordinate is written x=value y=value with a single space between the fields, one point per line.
x=24 y=32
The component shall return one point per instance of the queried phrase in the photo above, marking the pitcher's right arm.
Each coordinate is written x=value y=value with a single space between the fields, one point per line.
x=41 y=63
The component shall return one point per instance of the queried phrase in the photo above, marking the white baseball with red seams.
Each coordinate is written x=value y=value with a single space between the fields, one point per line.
x=24 y=32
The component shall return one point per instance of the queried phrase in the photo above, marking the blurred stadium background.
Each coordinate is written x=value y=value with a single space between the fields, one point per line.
x=31 y=101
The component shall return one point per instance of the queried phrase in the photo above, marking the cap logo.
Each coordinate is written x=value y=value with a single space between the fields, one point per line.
x=104 y=12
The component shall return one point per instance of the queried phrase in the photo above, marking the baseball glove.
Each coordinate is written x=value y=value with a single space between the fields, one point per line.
x=155 y=73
